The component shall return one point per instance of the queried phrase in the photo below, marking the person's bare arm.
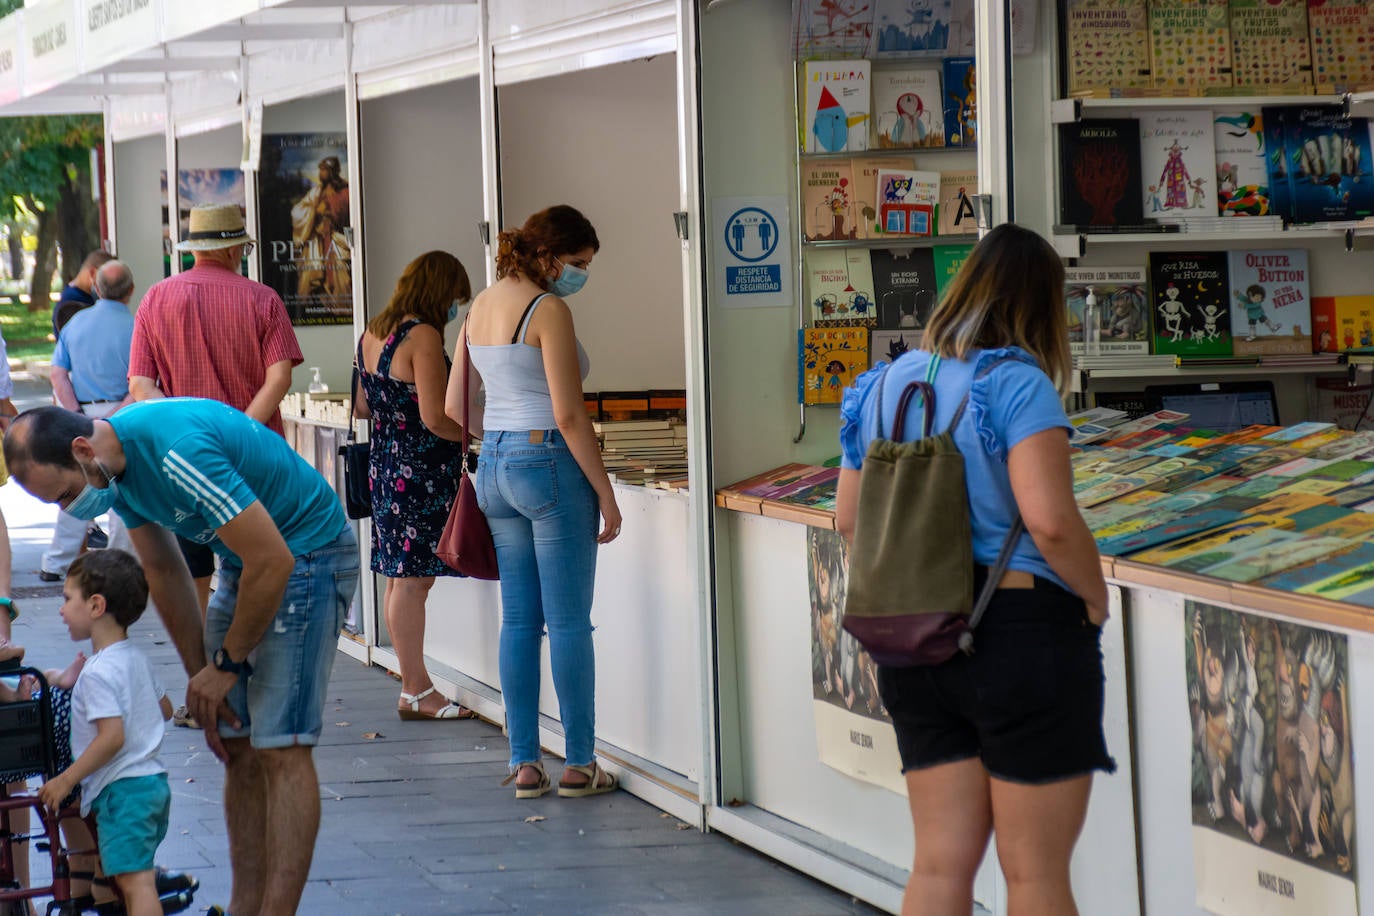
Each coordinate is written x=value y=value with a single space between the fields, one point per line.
x=62 y=389
x=172 y=592
x=1042 y=482
x=463 y=383
x=267 y=402
x=558 y=342
x=426 y=350
x=109 y=738
x=847 y=502
x=142 y=388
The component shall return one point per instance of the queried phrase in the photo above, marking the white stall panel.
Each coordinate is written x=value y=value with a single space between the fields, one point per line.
x=181 y=18
x=11 y=53
x=50 y=45
x=115 y=29
x=138 y=165
x=413 y=35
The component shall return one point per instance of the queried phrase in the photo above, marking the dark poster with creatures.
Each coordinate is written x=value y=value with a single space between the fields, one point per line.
x=853 y=731
x=1273 y=791
x=303 y=199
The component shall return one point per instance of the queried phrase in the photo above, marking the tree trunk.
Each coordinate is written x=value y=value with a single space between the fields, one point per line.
x=15 y=241
x=78 y=221
x=44 y=261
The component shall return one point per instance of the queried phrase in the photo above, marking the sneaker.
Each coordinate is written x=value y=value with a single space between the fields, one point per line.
x=46 y=576
x=97 y=539
x=181 y=717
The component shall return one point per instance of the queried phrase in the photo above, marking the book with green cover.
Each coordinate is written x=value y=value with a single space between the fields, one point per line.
x=1227 y=550
x=1189 y=547
x=1352 y=556
x=1272 y=559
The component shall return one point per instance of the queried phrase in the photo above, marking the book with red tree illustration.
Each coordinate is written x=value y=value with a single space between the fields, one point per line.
x=1099 y=177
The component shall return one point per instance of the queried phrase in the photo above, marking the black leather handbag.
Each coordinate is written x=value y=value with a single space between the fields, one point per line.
x=357 y=456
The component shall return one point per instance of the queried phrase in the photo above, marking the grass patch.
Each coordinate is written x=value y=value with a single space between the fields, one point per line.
x=28 y=335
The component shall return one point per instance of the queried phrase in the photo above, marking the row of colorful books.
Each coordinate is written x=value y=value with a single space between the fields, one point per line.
x=1289 y=508
x=646 y=451
x=1125 y=47
x=885 y=288
x=803 y=493
x=884 y=197
x=1250 y=302
x=898 y=28
x=1300 y=163
x=849 y=106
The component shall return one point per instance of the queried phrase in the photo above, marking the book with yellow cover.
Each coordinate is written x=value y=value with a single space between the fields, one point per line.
x=1108 y=46
x=1190 y=44
x=1270 y=45
x=1177 y=551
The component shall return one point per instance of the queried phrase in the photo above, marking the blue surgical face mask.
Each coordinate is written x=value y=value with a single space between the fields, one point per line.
x=570 y=280
x=453 y=309
x=93 y=502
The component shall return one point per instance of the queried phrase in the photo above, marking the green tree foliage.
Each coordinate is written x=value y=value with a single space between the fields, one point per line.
x=45 y=167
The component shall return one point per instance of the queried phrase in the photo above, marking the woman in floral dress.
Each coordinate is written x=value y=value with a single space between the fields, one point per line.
x=403 y=371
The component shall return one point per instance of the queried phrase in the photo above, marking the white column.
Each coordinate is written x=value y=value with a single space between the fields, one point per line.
x=992 y=52
x=173 y=170
x=486 y=89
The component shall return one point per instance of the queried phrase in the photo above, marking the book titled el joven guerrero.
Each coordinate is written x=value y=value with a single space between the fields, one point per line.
x=303 y=206
x=1099 y=178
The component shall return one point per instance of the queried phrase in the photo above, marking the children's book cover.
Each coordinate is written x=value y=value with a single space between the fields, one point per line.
x=1120 y=302
x=955 y=208
x=1190 y=313
x=1099 y=173
x=1167 y=529
x=1315 y=570
x=886 y=346
x=831 y=28
x=1272 y=559
x=1184 y=549
x=839 y=285
x=1242 y=168
x=1330 y=164
x=1108 y=46
x=961 y=102
x=1270 y=51
x=1272 y=124
x=907 y=109
x=865 y=170
x=837 y=106
x=1354 y=585
x=1229 y=546
x=909 y=28
x=1342 y=51
x=830 y=210
x=1342 y=323
x=948 y=260
x=907 y=200
x=1271 y=311
x=904 y=286
x=1178 y=161
x=830 y=358
x=1190 y=44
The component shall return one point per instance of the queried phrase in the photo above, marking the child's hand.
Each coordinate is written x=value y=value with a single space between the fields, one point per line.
x=55 y=790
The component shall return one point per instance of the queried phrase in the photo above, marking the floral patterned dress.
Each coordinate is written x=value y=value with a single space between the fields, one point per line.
x=413 y=473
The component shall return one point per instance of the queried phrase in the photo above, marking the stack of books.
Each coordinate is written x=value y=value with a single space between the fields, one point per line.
x=644 y=451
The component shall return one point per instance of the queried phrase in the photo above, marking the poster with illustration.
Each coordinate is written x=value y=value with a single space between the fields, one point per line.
x=1273 y=792
x=197 y=186
x=303 y=207
x=853 y=731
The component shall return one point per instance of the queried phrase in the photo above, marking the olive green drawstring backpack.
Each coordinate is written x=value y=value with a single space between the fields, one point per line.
x=910 y=597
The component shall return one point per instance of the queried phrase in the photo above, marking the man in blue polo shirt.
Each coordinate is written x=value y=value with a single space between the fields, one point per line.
x=211 y=474
x=90 y=374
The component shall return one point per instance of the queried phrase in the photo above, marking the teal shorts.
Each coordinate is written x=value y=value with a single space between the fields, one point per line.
x=131 y=818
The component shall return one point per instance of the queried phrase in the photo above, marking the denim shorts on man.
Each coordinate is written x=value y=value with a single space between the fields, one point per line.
x=1028 y=701
x=281 y=704
x=131 y=817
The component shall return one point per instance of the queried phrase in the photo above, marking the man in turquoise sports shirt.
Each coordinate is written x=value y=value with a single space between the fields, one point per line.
x=209 y=473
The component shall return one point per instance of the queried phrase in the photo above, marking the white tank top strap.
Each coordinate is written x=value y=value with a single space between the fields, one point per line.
x=526 y=318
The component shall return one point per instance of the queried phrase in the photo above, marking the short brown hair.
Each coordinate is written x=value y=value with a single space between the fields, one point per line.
x=95 y=260
x=557 y=230
x=116 y=576
x=1010 y=292
x=426 y=289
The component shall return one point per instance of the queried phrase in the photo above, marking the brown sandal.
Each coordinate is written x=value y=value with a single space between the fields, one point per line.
x=529 y=790
x=594 y=784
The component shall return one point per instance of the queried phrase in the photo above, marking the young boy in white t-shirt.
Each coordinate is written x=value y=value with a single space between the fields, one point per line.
x=118 y=711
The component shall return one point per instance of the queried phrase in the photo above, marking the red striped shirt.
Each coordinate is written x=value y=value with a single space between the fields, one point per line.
x=210 y=332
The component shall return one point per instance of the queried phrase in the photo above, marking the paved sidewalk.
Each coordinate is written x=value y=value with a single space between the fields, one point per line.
x=414 y=821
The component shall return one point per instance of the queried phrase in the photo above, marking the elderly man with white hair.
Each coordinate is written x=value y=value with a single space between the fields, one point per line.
x=90 y=374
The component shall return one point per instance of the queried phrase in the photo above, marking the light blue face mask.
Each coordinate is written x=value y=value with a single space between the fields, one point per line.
x=453 y=309
x=570 y=280
x=93 y=502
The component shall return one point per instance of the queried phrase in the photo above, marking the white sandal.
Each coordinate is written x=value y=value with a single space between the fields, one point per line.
x=410 y=708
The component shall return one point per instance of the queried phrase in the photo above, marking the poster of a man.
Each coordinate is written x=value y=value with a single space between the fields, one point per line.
x=304 y=201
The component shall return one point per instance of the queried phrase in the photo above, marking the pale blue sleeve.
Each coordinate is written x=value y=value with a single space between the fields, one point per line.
x=60 y=357
x=855 y=418
x=1022 y=401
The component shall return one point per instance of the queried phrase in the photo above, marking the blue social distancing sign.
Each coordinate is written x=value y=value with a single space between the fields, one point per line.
x=751 y=251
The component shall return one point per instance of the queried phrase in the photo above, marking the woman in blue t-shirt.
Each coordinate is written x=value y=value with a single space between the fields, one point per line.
x=1007 y=738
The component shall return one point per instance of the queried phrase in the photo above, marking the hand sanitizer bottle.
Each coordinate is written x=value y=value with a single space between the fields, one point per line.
x=317 y=385
x=1092 y=325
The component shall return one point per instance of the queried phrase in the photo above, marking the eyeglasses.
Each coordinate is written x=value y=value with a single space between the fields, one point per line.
x=248 y=248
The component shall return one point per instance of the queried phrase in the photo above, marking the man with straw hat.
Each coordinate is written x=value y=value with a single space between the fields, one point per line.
x=210 y=332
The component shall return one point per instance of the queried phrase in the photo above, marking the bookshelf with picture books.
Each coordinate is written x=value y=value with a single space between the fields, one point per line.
x=886 y=181
x=1214 y=164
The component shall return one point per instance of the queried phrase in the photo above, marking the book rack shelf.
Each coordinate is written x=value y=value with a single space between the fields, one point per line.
x=1075 y=244
x=1067 y=111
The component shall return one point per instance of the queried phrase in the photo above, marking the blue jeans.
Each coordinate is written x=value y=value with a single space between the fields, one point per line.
x=281 y=704
x=543 y=516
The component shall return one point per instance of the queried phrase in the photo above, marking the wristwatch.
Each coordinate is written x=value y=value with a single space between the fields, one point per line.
x=223 y=662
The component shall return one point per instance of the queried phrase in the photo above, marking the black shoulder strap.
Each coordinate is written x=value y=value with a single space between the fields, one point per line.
x=519 y=334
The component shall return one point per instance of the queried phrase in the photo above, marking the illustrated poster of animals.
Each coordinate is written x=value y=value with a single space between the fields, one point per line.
x=853 y=731
x=1273 y=791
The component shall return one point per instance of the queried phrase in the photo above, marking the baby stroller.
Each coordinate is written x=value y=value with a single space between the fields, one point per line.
x=28 y=745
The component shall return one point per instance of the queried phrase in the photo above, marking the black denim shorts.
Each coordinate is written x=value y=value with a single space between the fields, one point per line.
x=200 y=558
x=1028 y=701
